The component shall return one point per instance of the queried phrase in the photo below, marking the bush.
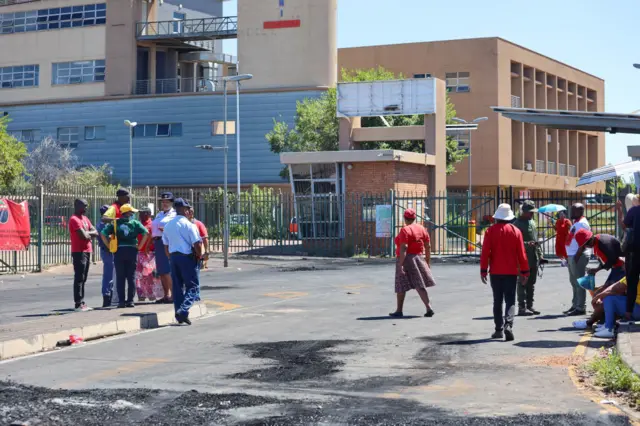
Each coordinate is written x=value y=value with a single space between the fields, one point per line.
x=613 y=375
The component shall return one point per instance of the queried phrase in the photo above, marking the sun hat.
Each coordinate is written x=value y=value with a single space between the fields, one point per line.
x=582 y=236
x=126 y=208
x=504 y=212
x=409 y=214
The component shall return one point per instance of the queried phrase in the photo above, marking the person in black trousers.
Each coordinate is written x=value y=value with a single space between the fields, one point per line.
x=631 y=225
x=81 y=231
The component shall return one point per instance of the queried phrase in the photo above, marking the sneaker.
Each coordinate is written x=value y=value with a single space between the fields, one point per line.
x=580 y=324
x=508 y=335
x=568 y=311
x=599 y=327
x=429 y=313
x=604 y=333
x=533 y=311
x=142 y=299
x=497 y=334
x=83 y=308
x=577 y=313
x=396 y=314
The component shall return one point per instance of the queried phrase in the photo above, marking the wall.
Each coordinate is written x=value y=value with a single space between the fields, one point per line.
x=121 y=46
x=288 y=57
x=173 y=160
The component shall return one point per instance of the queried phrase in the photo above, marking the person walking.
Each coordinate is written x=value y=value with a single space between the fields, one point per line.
x=163 y=265
x=413 y=271
x=109 y=296
x=81 y=231
x=503 y=257
x=529 y=230
x=147 y=284
x=125 y=258
x=562 y=226
x=577 y=263
x=631 y=226
x=184 y=248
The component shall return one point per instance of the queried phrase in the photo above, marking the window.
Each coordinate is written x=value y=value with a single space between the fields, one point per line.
x=217 y=128
x=94 y=133
x=427 y=75
x=178 y=25
x=68 y=137
x=463 y=140
x=27 y=136
x=78 y=72
x=53 y=19
x=458 y=81
x=20 y=76
x=162 y=130
x=369 y=208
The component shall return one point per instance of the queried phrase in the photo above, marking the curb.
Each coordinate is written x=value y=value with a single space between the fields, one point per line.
x=625 y=348
x=48 y=341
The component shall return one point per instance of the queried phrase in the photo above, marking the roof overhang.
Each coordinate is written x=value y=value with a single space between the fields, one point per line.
x=574 y=120
x=357 y=156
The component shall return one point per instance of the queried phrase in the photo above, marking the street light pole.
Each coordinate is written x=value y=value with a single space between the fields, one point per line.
x=130 y=125
x=238 y=143
x=470 y=190
x=225 y=198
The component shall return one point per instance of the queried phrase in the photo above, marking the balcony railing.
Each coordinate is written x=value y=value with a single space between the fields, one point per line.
x=176 y=85
x=516 y=102
x=562 y=168
x=189 y=29
x=551 y=168
x=540 y=166
x=573 y=172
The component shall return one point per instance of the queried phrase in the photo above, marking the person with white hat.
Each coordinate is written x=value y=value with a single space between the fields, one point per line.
x=504 y=257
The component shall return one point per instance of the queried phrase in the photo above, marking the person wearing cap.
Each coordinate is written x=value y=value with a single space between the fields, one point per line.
x=577 y=261
x=125 y=258
x=113 y=212
x=503 y=257
x=147 y=285
x=412 y=269
x=109 y=296
x=163 y=265
x=529 y=230
x=184 y=248
x=81 y=231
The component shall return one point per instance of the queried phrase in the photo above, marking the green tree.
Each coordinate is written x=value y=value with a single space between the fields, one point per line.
x=316 y=124
x=12 y=152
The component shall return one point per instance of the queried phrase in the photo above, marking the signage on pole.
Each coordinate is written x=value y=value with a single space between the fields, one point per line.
x=383 y=221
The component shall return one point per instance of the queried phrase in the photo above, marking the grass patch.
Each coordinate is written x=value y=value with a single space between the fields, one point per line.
x=613 y=375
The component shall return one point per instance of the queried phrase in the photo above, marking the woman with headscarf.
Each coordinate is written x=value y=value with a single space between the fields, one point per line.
x=147 y=284
x=412 y=269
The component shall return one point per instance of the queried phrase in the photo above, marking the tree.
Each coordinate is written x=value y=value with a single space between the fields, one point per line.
x=49 y=163
x=12 y=152
x=316 y=125
x=90 y=176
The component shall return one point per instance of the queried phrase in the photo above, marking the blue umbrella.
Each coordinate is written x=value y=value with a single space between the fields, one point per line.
x=552 y=208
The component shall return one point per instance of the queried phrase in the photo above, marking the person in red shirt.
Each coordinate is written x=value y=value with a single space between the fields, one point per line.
x=204 y=234
x=81 y=231
x=607 y=249
x=147 y=283
x=412 y=270
x=563 y=226
x=504 y=257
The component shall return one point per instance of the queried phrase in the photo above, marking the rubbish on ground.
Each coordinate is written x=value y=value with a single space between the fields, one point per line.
x=608 y=402
x=74 y=339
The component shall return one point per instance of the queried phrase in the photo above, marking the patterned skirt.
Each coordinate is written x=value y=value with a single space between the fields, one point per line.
x=417 y=274
x=148 y=286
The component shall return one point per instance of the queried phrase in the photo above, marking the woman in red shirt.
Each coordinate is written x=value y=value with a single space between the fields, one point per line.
x=563 y=226
x=412 y=270
x=147 y=284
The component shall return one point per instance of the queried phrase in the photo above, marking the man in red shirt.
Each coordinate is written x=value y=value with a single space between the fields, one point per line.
x=81 y=231
x=504 y=257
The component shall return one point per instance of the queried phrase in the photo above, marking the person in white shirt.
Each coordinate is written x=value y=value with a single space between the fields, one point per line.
x=577 y=262
x=163 y=266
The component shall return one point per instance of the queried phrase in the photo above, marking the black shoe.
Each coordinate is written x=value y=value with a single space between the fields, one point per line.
x=497 y=334
x=522 y=312
x=130 y=305
x=429 y=313
x=121 y=305
x=106 y=301
x=577 y=313
x=396 y=314
x=508 y=335
x=183 y=319
x=533 y=311
x=568 y=311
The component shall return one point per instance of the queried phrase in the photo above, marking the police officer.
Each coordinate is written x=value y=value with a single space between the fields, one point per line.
x=529 y=230
x=184 y=248
x=163 y=265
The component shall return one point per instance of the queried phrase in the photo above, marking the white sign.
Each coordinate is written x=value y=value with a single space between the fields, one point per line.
x=383 y=221
x=376 y=98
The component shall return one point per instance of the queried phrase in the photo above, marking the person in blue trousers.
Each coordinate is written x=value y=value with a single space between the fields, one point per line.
x=184 y=249
x=109 y=296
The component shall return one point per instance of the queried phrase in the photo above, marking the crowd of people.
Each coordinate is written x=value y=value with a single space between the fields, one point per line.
x=159 y=259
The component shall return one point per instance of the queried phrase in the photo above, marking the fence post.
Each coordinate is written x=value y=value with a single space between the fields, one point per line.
x=40 y=226
x=393 y=223
x=250 y=222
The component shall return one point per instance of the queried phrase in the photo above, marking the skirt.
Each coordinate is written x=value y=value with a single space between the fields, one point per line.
x=147 y=284
x=163 y=265
x=417 y=274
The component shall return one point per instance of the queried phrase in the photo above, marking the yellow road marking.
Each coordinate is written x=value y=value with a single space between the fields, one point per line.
x=127 y=368
x=224 y=306
x=286 y=294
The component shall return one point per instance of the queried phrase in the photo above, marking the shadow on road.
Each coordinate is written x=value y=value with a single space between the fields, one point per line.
x=468 y=342
x=560 y=329
x=548 y=317
x=482 y=318
x=387 y=317
x=545 y=344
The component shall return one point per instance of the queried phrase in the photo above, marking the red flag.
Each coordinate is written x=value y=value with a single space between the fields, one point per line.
x=15 y=230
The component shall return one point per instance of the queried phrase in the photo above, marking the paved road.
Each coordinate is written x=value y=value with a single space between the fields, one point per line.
x=316 y=347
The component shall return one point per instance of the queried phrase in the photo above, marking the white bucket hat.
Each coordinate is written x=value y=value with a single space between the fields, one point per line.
x=504 y=212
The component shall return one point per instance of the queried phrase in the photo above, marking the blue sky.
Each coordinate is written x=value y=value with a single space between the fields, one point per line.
x=597 y=36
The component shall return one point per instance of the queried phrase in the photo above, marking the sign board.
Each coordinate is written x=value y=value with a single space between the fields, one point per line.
x=15 y=230
x=397 y=97
x=383 y=221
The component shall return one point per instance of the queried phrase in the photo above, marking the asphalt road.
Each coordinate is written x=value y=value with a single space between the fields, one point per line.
x=317 y=348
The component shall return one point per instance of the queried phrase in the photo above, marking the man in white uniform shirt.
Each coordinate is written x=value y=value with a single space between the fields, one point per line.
x=163 y=265
x=577 y=263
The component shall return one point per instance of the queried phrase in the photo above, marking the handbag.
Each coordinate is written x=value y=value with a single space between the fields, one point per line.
x=113 y=239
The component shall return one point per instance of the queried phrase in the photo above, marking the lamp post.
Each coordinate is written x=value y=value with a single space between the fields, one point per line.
x=475 y=121
x=130 y=125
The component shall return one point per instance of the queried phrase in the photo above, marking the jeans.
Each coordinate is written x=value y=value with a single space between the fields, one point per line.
x=186 y=282
x=578 y=269
x=125 y=260
x=616 y=306
x=504 y=290
x=107 y=272
x=81 y=262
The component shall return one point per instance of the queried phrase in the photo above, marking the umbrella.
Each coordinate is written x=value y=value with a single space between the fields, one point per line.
x=552 y=208
x=609 y=172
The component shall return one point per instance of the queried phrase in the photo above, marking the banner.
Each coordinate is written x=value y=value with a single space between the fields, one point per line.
x=383 y=221
x=15 y=230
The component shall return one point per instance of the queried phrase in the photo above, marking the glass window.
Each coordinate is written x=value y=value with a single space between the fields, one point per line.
x=217 y=127
x=458 y=81
x=301 y=171
x=161 y=130
x=164 y=130
x=49 y=19
x=369 y=208
x=20 y=76
x=94 y=133
x=324 y=171
x=27 y=136
x=78 y=72
x=67 y=134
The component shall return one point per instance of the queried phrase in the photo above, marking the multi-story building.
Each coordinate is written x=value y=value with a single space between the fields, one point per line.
x=486 y=72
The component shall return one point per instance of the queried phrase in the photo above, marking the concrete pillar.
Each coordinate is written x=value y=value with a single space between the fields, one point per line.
x=345 y=134
x=152 y=68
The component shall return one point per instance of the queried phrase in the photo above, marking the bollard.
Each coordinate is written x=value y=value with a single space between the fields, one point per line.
x=471 y=236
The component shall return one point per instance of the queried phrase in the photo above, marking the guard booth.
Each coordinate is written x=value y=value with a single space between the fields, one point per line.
x=351 y=201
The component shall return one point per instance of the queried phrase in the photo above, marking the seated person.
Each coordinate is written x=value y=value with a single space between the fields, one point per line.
x=598 y=295
x=616 y=306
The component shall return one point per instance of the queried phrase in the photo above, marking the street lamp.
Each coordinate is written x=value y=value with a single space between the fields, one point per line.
x=476 y=121
x=225 y=232
x=130 y=125
x=237 y=79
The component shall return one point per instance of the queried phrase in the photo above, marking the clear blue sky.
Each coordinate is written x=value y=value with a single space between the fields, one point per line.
x=597 y=36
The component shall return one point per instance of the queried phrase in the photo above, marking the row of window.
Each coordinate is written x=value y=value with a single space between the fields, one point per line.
x=52 y=19
x=456 y=81
x=62 y=73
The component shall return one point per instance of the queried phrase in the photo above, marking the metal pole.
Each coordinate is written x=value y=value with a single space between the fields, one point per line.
x=469 y=200
x=226 y=201
x=238 y=143
x=131 y=157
